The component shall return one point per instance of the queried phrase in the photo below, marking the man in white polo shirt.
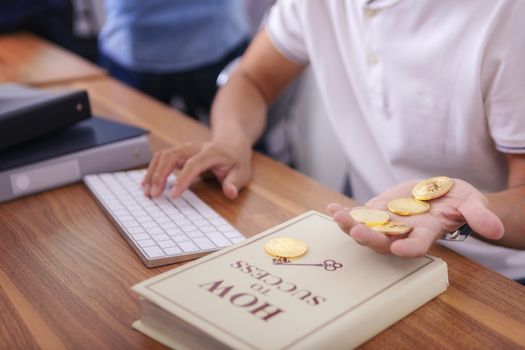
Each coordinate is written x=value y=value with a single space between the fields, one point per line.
x=413 y=89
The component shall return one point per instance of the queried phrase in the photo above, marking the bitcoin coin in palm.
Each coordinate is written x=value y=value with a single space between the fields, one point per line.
x=393 y=228
x=408 y=206
x=432 y=188
x=370 y=217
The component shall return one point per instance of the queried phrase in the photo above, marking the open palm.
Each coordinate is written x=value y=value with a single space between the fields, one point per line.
x=463 y=203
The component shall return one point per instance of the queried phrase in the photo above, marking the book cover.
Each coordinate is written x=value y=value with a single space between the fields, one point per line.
x=336 y=296
x=27 y=112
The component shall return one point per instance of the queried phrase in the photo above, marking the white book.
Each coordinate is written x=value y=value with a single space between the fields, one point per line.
x=336 y=296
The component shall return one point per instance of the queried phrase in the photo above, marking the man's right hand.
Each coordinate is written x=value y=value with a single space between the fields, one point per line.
x=231 y=165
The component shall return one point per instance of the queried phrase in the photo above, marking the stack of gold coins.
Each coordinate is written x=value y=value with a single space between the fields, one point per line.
x=424 y=191
x=379 y=220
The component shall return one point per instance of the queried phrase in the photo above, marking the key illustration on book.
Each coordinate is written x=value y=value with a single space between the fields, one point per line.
x=328 y=265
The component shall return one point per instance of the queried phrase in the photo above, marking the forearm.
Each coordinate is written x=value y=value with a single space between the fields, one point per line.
x=509 y=206
x=238 y=114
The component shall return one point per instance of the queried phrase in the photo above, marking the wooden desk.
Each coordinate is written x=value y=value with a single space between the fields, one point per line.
x=25 y=58
x=65 y=271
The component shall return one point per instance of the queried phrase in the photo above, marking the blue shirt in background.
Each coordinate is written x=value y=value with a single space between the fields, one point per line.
x=162 y=36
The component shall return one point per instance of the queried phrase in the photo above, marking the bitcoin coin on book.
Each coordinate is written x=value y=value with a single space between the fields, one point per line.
x=286 y=247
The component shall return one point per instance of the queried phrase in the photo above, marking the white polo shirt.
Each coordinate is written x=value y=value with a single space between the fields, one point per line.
x=415 y=89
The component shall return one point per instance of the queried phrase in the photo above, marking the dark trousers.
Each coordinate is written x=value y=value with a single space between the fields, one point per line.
x=195 y=87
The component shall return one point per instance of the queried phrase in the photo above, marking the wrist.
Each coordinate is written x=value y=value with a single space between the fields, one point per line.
x=459 y=235
x=237 y=140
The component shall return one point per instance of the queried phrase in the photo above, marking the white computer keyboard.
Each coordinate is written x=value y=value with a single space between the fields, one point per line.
x=161 y=230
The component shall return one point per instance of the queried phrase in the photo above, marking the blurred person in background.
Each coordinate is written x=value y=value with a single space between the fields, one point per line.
x=173 y=50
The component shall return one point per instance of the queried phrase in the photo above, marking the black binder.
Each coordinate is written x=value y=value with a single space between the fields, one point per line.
x=27 y=113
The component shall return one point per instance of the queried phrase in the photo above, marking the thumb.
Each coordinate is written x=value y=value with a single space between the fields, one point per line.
x=234 y=181
x=481 y=219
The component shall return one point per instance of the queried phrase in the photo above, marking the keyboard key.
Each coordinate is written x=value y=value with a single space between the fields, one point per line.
x=182 y=222
x=204 y=243
x=151 y=224
x=146 y=243
x=188 y=228
x=167 y=244
x=224 y=228
x=199 y=205
x=218 y=221
x=161 y=237
x=232 y=234
x=179 y=238
x=155 y=230
x=218 y=239
x=168 y=226
x=135 y=230
x=163 y=220
x=207 y=228
x=124 y=218
x=144 y=219
x=174 y=231
x=194 y=234
x=154 y=252
x=173 y=251
x=131 y=224
x=188 y=246
x=140 y=236
x=237 y=239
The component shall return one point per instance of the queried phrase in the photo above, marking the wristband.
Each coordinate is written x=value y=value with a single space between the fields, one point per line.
x=459 y=235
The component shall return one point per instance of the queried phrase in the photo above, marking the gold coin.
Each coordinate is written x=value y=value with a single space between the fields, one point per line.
x=408 y=206
x=286 y=247
x=370 y=217
x=393 y=228
x=432 y=188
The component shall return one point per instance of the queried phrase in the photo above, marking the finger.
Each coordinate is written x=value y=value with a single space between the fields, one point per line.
x=164 y=167
x=146 y=182
x=332 y=208
x=370 y=238
x=186 y=151
x=481 y=219
x=235 y=179
x=344 y=220
x=193 y=167
x=417 y=243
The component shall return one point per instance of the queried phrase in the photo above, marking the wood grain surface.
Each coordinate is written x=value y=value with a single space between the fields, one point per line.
x=27 y=59
x=66 y=272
